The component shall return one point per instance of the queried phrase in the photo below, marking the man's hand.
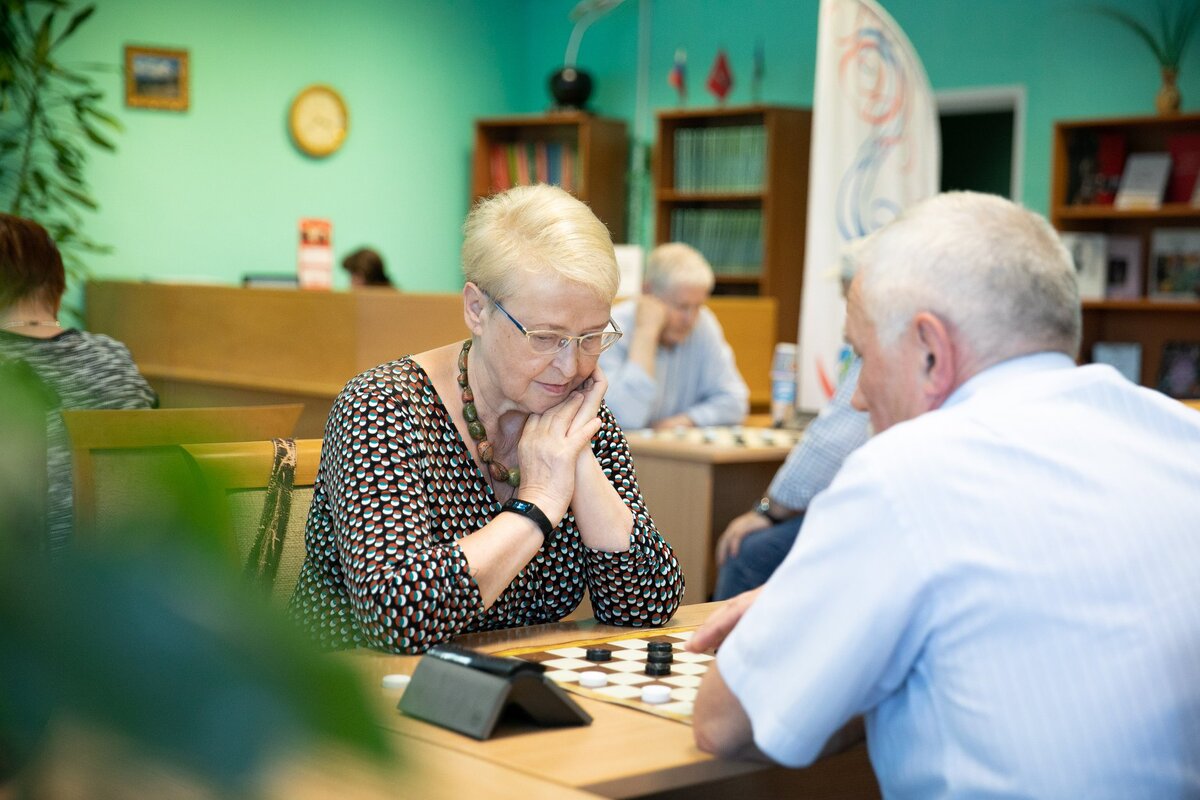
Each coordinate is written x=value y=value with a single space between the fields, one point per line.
x=739 y=528
x=671 y=423
x=710 y=635
x=651 y=316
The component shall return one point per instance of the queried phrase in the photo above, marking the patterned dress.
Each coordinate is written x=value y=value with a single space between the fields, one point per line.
x=397 y=488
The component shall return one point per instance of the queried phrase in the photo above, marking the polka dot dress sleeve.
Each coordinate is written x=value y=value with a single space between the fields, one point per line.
x=644 y=585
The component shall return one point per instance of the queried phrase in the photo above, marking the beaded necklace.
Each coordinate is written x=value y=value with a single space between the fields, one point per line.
x=499 y=472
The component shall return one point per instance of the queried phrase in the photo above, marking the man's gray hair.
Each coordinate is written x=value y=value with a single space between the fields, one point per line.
x=677 y=264
x=997 y=273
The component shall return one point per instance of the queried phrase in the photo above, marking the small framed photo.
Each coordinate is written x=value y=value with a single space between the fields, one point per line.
x=1179 y=374
x=1124 y=268
x=156 y=78
x=1175 y=264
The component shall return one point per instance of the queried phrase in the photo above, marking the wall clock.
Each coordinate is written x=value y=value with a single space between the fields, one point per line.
x=318 y=120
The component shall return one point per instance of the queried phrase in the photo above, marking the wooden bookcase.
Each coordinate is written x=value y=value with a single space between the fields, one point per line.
x=599 y=149
x=1147 y=321
x=706 y=164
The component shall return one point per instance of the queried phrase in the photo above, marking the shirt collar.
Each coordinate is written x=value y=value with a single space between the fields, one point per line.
x=1009 y=372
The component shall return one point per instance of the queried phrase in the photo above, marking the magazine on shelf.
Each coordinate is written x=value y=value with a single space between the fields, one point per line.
x=1089 y=251
x=1124 y=268
x=1124 y=357
x=1175 y=264
x=1144 y=181
x=1179 y=374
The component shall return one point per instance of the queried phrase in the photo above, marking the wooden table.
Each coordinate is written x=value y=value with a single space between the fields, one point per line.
x=694 y=488
x=623 y=753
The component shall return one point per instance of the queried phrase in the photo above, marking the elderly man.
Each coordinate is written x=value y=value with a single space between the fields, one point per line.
x=1005 y=580
x=673 y=367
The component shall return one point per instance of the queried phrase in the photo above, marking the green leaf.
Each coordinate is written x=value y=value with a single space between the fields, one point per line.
x=97 y=139
x=80 y=197
x=1138 y=28
x=80 y=17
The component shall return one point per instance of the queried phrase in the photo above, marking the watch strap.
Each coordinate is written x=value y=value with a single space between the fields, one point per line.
x=764 y=508
x=530 y=511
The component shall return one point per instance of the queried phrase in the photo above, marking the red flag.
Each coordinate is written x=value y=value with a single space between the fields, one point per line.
x=720 y=79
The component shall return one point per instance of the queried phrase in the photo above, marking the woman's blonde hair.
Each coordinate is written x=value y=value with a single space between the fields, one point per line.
x=537 y=230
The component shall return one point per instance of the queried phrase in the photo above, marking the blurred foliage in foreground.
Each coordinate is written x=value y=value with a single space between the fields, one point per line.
x=159 y=647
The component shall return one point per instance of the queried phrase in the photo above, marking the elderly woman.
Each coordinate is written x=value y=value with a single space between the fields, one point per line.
x=484 y=484
x=84 y=370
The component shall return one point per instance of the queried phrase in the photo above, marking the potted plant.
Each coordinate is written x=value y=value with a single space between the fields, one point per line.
x=1168 y=41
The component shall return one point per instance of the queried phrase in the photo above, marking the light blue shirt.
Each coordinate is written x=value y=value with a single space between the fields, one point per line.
x=697 y=377
x=1008 y=588
x=837 y=431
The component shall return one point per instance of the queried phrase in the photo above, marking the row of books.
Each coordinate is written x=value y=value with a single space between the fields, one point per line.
x=720 y=159
x=540 y=161
x=1178 y=372
x=1110 y=266
x=1101 y=173
x=731 y=239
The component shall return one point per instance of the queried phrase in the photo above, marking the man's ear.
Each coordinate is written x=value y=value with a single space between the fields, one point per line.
x=937 y=350
x=474 y=304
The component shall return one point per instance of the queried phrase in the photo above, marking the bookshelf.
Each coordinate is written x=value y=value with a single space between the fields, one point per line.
x=585 y=154
x=733 y=183
x=1146 y=320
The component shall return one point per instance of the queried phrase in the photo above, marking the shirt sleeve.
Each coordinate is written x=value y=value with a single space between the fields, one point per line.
x=836 y=629
x=837 y=431
x=630 y=394
x=724 y=397
x=643 y=585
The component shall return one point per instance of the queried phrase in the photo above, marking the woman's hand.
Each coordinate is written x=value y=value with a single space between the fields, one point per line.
x=549 y=450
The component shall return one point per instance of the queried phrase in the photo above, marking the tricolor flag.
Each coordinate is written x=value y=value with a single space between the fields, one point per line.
x=677 y=77
x=875 y=151
x=720 y=79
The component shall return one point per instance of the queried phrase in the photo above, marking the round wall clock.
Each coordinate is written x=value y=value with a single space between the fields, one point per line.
x=318 y=120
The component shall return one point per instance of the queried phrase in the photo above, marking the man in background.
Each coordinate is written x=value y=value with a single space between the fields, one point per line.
x=673 y=368
x=1004 y=579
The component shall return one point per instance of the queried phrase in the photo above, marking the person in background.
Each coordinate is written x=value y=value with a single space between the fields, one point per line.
x=365 y=267
x=1004 y=579
x=84 y=370
x=674 y=367
x=484 y=484
x=755 y=543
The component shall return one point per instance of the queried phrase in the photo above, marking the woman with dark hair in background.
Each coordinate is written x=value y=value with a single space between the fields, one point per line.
x=85 y=370
x=366 y=268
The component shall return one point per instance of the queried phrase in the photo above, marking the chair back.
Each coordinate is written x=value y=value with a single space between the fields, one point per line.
x=122 y=458
x=264 y=503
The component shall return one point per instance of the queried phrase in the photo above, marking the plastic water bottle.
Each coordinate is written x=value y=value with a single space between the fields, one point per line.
x=783 y=384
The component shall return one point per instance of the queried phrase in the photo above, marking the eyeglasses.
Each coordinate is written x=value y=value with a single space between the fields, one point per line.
x=548 y=343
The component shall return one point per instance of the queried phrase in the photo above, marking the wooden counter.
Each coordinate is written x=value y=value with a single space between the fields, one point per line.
x=202 y=345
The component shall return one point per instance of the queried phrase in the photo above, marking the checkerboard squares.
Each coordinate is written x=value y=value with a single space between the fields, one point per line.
x=569 y=652
x=684 y=681
x=568 y=663
x=621 y=692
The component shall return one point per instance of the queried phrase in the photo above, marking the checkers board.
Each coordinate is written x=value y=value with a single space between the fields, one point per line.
x=625 y=672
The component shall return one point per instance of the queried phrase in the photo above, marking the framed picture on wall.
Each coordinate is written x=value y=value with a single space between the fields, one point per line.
x=156 y=77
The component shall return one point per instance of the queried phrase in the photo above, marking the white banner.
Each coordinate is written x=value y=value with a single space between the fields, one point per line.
x=875 y=150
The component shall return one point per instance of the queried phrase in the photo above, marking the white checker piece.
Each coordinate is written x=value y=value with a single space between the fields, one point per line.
x=623 y=692
x=568 y=652
x=569 y=663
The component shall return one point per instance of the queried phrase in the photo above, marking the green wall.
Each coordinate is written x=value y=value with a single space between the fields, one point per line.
x=216 y=191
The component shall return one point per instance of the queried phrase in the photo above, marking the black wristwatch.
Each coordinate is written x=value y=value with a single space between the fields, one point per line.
x=764 y=508
x=530 y=511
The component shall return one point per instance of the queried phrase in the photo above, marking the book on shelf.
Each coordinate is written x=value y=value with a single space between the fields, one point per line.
x=1110 y=164
x=1175 y=264
x=540 y=161
x=1185 y=166
x=1124 y=271
x=1089 y=251
x=1179 y=372
x=1124 y=357
x=730 y=238
x=1144 y=181
x=720 y=159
